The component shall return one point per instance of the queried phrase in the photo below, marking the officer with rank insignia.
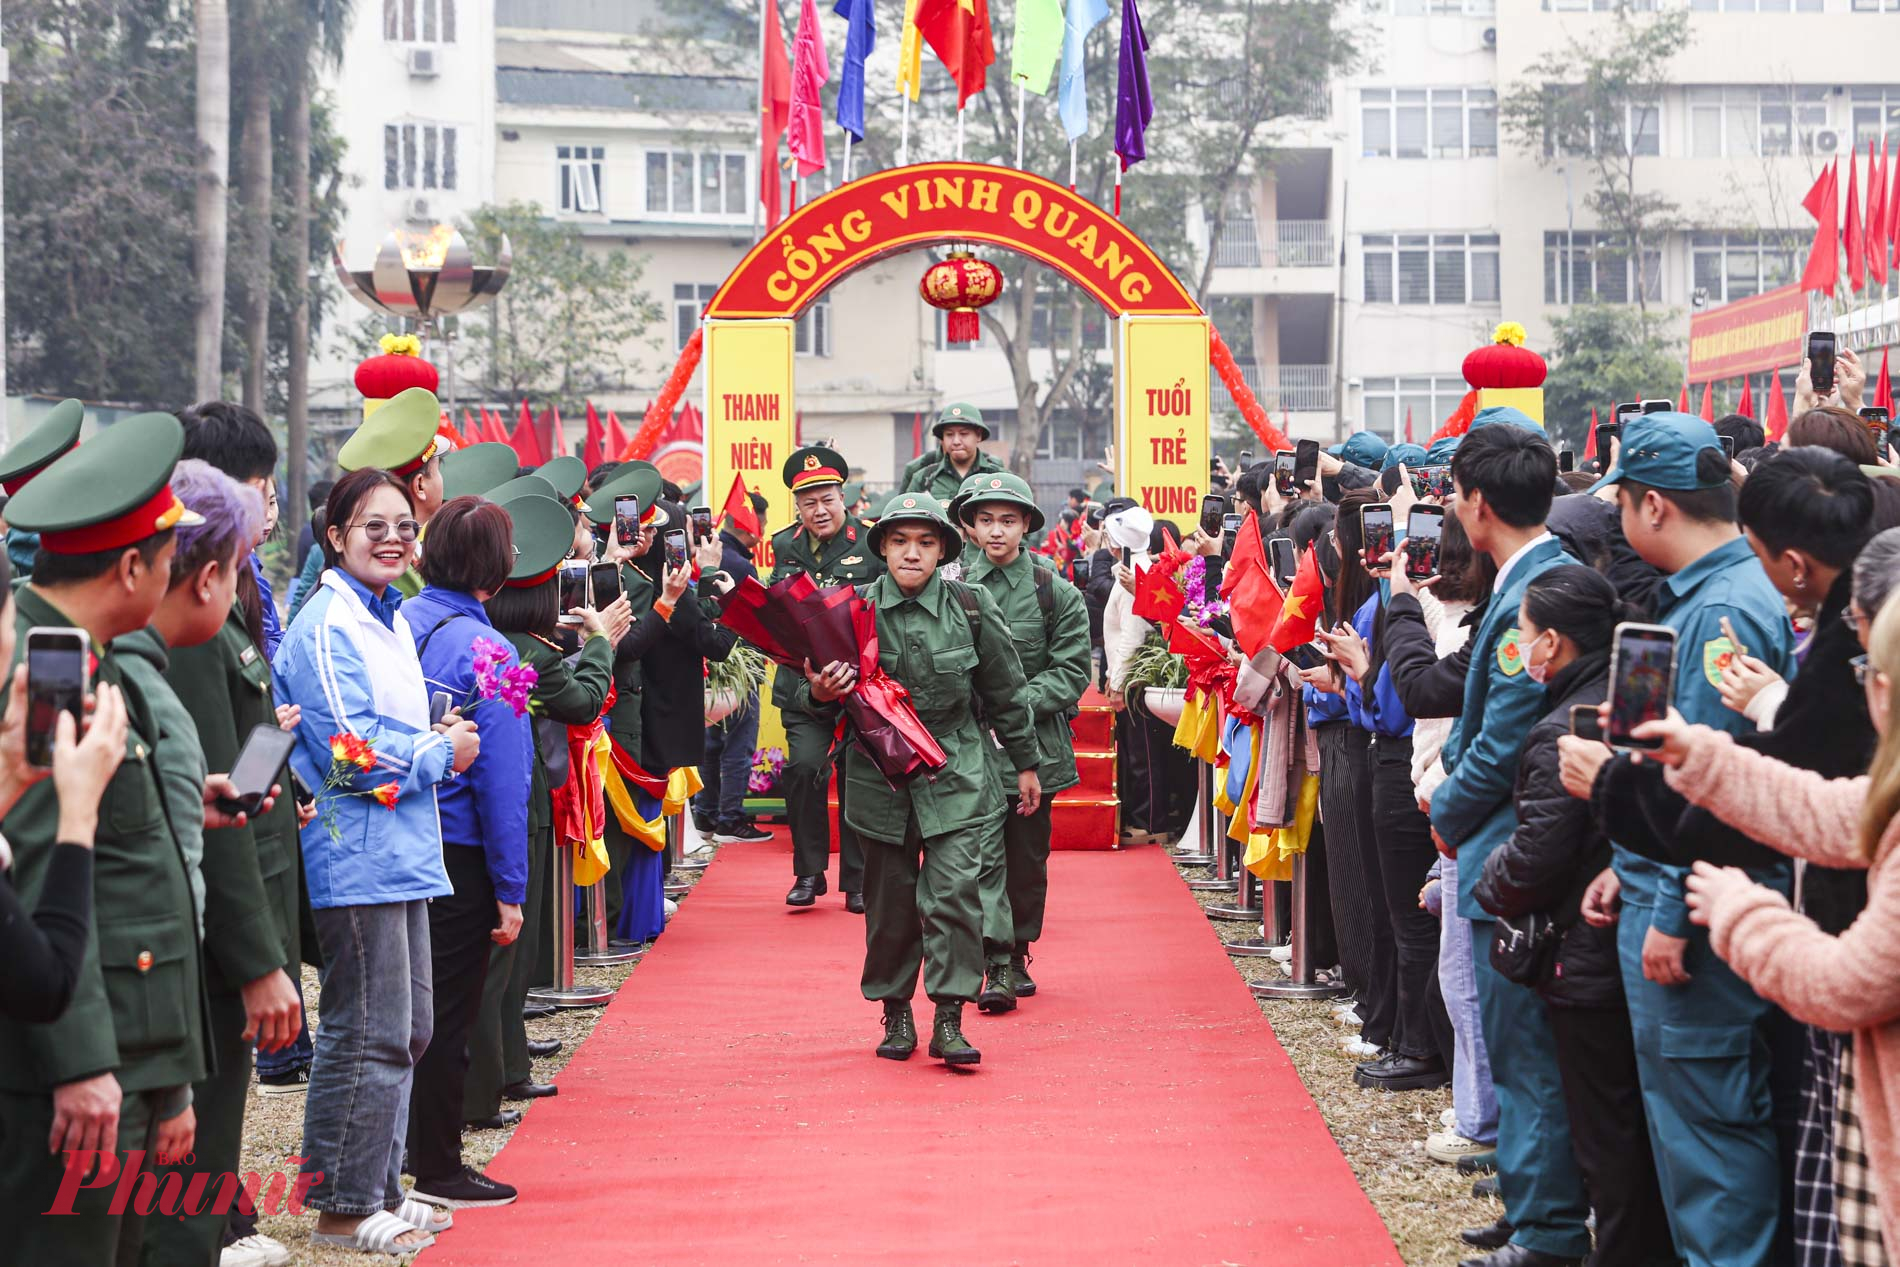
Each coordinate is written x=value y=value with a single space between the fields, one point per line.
x=948 y=645
x=401 y=439
x=51 y=438
x=832 y=549
x=959 y=431
x=1049 y=622
x=113 y=1073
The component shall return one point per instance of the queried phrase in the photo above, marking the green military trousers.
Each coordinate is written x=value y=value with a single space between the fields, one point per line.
x=806 y=784
x=1014 y=882
x=921 y=908
x=195 y=1240
x=92 y=1236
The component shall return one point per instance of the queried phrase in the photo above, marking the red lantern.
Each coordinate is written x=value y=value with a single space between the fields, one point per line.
x=399 y=368
x=960 y=285
x=1505 y=362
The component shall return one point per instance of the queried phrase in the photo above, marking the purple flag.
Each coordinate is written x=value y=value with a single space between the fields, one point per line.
x=1134 y=102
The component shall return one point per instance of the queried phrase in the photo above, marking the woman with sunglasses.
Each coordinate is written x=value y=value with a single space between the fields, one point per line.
x=372 y=858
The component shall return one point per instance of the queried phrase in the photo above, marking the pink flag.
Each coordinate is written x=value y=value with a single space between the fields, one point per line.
x=810 y=71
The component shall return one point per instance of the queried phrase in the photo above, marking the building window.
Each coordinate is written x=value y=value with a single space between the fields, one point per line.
x=1418 y=8
x=944 y=345
x=1744 y=122
x=1730 y=266
x=1430 y=401
x=419 y=21
x=811 y=333
x=1876 y=6
x=689 y=301
x=1428 y=123
x=1876 y=113
x=418 y=156
x=1598 y=6
x=1052 y=324
x=1639 y=122
x=580 y=169
x=1434 y=268
x=1597 y=267
x=1758 y=6
x=706 y=185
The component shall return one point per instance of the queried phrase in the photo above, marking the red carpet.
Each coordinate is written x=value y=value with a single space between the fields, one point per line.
x=728 y=1110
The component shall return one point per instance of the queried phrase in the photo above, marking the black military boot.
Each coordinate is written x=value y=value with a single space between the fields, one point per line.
x=900 y=1031
x=1019 y=973
x=947 y=1042
x=999 y=991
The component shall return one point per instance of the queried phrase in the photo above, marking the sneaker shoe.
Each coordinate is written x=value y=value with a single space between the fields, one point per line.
x=255 y=1250
x=469 y=1189
x=1281 y=954
x=294 y=1082
x=1451 y=1148
x=742 y=833
x=1359 y=1048
x=672 y=908
x=1349 y=1017
x=1449 y=1119
x=702 y=823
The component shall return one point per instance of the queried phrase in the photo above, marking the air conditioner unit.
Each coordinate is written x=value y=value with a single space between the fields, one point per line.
x=1490 y=37
x=424 y=63
x=1827 y=141
x=418 y=209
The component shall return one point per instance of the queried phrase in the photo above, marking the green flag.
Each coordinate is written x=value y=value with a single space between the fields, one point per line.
x=1036 y=44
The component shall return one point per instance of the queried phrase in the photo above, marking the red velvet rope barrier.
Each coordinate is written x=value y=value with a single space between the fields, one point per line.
x=660 y=412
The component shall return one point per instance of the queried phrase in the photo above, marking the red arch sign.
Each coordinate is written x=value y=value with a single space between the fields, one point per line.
x=891 y=211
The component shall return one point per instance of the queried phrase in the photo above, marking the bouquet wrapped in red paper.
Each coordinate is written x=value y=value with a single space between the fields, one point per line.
x=795 y=621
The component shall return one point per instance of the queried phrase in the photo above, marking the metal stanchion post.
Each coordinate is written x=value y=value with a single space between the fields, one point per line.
x=1302 y=984
x=599 y=949
x=673 y=854
x=1272 y=936
x=1198 y=853
x=1214 y=838
x=1248 y=908
x=565 y=992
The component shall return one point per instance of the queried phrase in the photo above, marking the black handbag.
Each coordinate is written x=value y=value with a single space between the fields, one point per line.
x=1524 y=948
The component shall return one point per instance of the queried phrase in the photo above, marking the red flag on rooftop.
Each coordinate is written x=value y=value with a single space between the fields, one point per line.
x=1776 y=422
x=593 y=453
x=775 y=111
x=1854 y=239
x=1823 y=269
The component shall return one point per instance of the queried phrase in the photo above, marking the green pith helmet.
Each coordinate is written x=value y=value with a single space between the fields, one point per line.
x=399 y=437
x=960 y=415
x=471 y=472
x=51 y=438
x=543 y=534
x=107 y=496
x=916 y=508
x=643 y=481
x=996 y=486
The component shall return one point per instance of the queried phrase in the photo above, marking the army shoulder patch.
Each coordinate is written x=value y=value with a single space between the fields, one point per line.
x=1510 y=654
x=1716 y=656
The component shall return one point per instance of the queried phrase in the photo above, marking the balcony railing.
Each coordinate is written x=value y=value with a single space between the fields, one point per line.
x=1238 y=246
x=1300 y=388
x=1294 y=244
x=1312 y=100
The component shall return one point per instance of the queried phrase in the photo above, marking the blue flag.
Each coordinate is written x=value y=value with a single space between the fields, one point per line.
x=860 y=38
x=1072 y=103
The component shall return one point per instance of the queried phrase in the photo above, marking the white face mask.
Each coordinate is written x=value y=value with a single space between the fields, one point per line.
x=1539 y=673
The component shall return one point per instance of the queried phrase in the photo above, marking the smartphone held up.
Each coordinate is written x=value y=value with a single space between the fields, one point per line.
x=57 y=674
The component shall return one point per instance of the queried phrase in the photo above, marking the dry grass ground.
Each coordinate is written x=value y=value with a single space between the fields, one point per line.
x=1423 y=1203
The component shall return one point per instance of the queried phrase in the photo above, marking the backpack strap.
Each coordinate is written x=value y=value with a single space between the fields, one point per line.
x=967 y=597
x=433 y=631
x=1045 y=600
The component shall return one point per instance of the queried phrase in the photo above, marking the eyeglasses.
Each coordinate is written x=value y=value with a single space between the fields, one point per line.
x=1849 y=619
x=377 y=530
x=1861 y=669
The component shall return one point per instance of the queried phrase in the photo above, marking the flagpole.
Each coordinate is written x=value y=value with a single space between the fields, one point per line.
x=1071 y=166
x=903 y=145
x=1019 y=125
x=1120 y=166
x=847 y=158
x=759 y=221
x=959 y=132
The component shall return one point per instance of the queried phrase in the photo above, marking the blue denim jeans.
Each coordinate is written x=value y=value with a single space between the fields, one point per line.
x=377 y=1012
x=728 y=765
x=1472 y=1097
x=294 y=1056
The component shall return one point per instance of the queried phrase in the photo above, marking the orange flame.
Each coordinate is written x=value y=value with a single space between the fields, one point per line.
x=425 y=249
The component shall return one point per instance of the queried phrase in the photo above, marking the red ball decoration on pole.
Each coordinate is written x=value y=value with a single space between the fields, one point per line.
x=1505 y=361
x=960 y=285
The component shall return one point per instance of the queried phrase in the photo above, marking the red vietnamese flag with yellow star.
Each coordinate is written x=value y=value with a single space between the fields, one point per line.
x=1253 y=600
x=1300 y=613
x=1158 y=596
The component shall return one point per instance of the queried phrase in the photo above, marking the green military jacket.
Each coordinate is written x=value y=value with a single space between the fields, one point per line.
x=567 y=695
x=846 y=559
x=924 y=643
x=1054 y=651
x=250 y=872
x=940 y=479
x=138 y=1008
x=177 y=754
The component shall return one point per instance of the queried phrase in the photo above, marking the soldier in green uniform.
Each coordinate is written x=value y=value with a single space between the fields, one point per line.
x=1050 y=624
x=832 y=548
x=51 y=437
x=949 y=646
x=114 y=1073
x=960 y=429
x=401 y=439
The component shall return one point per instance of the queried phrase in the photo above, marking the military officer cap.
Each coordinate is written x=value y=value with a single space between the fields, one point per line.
x=543 y=534
x=960 y=415
x=107 y=496
x=471 y=472
x=916 y=508
x=814 y=466
x=567 y=473
x=996 y=486
x=529 y=485
x=400 y=437
x=640 y=480
x=50 y=439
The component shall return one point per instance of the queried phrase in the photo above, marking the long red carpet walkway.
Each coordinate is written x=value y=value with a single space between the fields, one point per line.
x=728 y=1110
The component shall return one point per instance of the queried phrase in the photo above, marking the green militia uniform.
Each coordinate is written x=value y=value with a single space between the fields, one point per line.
x=941 y=480
x=251 y=909
x=845 y=559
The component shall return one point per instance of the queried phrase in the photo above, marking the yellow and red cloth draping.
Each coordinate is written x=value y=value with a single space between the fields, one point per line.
x=580 y=804
x=1269 y=848
x=641 y=802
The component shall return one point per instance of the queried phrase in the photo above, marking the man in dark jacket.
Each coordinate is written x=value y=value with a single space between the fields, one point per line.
x=719 y=809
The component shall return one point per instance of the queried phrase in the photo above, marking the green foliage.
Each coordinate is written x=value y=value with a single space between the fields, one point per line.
x=1152 y=664
x=740 y=673
x=563 y=322
x=1601 y=354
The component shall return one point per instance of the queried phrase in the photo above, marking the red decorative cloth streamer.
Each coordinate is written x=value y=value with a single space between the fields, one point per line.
x=1236 y=384
x=1211 y=674
x=660 y=412
x=1460 y=420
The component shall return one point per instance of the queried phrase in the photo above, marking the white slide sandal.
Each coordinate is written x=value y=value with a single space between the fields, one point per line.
x=423 y=1217
x=376 y=1235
